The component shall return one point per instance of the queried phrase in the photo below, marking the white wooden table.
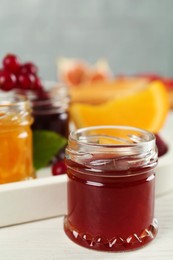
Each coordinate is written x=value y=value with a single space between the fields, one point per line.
x=45 y=240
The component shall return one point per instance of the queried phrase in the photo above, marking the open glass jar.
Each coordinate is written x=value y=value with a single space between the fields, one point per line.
x=15 y=138
x=111 y=187
x=50 y=110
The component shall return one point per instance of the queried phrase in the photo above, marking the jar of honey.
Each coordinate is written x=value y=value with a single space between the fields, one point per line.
x=111 y=188
x=15 y=138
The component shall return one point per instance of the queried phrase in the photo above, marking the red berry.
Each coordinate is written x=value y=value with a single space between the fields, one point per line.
x=7 y=80
x=28 y=68
x=37 y=84
x=59 y=168
x=25 y=81
x=161 y=145
x=11 y=63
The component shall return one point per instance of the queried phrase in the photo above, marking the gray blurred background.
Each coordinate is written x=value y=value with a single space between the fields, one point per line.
x=135 y=36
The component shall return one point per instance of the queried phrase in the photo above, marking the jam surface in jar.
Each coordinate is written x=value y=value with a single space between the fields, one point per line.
x=110 y=197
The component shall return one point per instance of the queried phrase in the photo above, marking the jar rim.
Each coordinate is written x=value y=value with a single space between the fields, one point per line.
x=148 y=137
x=53 y=98
x=13 y=99
x=137 y=149
x=15 y=109
x=52 y=90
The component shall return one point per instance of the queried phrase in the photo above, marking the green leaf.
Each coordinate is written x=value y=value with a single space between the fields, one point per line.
x=46 y=144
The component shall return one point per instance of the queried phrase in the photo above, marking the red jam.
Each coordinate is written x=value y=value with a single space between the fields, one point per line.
x=110 y=204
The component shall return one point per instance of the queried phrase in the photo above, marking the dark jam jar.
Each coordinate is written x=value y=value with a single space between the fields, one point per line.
x=111 y=188
x=50 y=109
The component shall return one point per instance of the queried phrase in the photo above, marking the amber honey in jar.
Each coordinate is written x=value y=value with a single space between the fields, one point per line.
x=15 y=138
x=111 y=188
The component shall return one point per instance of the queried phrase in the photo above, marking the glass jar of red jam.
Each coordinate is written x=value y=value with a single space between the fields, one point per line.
x=111 y=188
x=15 y=138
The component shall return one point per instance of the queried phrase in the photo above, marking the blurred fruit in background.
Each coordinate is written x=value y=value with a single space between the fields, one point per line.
x=167 y=81
x=161 y=145
x=75 y=72
x=141 y=101
x=49 y=108
x=17 y=75
x=103 y=91
x=146 y=108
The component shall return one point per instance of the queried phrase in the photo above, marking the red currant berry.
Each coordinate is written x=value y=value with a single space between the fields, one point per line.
x=59 y=168
x=11 y=63
x=24 y=81
x=161 y=145
x=33 y=79
x=7 y=80
x=29 y=68
x=37 y=85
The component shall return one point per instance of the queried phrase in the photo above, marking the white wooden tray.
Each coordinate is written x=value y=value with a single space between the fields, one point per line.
x=32 y=200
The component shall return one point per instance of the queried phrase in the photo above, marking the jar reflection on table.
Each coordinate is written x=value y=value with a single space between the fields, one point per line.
x=111 y=185
x=15 y=138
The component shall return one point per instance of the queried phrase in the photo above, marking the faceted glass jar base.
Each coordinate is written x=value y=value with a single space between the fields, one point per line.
x=116 y=243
